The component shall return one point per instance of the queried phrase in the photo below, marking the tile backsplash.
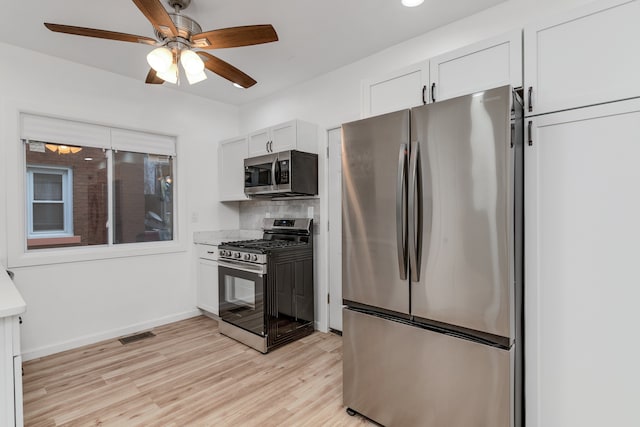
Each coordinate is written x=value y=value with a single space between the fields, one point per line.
x=252 y=212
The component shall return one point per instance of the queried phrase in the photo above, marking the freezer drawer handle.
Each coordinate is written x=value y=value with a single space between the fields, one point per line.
x=530 y=137
x=401 y=213
x=415 y=212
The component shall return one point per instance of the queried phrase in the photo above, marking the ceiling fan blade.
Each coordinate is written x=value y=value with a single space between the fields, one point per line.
x=226 y=70
x=235 y=37
x=158 y=16
x=101 y=34
x=153 y=79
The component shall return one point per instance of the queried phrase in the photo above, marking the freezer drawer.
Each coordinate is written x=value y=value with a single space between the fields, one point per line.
x=401 y=375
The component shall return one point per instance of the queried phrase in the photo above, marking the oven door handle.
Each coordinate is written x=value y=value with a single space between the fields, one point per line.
x=258 y=269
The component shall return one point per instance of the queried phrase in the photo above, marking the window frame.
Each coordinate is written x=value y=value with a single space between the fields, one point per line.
x=67 y=200
x=87 y=133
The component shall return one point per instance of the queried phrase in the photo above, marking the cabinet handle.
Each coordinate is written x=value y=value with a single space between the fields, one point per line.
x=530 y=139
x=266 y=146
x=433 y=92
x=513 y=133
x=530 y=97
x=271 y=146
x=424 y=91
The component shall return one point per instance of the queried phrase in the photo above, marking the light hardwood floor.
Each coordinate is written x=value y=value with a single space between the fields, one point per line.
x=189 y=375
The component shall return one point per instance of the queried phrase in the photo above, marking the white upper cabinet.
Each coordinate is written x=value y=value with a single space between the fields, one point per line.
x=584 y=57
x=404 y=88
x=480 y=66
x=291 y=135
x=231 y=155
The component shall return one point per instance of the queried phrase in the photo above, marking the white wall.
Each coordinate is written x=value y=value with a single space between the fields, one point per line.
x=334 y=98
x=70 y=304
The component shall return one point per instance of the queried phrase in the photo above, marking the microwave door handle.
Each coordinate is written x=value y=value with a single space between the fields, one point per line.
x=273 y=171
x=415 y=212
x=401 y=211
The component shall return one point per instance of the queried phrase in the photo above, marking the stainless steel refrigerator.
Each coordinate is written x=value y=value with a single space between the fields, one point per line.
x=432 y=263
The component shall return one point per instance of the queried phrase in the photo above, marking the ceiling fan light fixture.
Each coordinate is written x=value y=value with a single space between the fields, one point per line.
x=160 y=59
x=191 y=62
x=170 y=75
x=194 y=78
x=238 y=86
x=412 y=3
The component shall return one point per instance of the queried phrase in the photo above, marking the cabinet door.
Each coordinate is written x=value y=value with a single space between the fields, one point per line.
x=582 y=231
x=404 y=88
x=17 y=391
x=283 y=137
x=585 y=57
x=259 y=142
x=207 y=292
x=7 y=408
x=231 y=155
x=481 y=66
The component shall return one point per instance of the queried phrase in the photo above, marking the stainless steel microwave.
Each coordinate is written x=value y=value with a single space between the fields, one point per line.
x=287 y=173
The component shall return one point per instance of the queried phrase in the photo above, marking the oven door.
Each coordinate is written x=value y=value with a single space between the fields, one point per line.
x=241 y=290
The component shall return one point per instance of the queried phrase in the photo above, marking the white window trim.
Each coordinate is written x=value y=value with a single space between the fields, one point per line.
x=67 y=200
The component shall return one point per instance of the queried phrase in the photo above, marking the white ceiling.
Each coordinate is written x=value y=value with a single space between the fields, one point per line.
x=316 y=36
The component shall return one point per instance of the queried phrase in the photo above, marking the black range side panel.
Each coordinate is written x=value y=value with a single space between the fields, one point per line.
x=290 y=296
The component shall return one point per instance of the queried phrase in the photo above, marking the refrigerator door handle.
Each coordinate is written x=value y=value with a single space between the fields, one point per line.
x=401 y=212
x=415 y=212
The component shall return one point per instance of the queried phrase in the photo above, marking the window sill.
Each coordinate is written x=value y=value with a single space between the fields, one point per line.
x=93 y=253
x=53 y=241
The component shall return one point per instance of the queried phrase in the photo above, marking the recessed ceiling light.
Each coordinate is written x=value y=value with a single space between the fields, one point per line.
x=412 y=3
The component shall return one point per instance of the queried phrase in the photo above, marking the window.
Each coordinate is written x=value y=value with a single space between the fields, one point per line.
x=96 y=185
x=49 y=196
x=143 y=197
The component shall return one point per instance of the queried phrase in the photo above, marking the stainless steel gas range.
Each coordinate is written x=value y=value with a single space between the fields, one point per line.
x=266 y=285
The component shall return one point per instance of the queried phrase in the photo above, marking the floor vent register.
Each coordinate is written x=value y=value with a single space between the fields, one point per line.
x=136 y=337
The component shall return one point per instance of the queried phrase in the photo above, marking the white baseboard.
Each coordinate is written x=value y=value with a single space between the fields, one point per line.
x=30 y=354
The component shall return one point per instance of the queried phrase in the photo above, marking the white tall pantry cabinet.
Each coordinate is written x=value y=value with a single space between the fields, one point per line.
x=582 y=217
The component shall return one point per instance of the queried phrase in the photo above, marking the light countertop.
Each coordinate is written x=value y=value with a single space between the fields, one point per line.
x=216 y=237
x=11 y=302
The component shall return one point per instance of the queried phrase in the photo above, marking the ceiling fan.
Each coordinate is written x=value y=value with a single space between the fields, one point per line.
x=177 y=37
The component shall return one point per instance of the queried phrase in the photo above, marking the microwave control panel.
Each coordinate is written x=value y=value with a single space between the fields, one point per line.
x=284 y=172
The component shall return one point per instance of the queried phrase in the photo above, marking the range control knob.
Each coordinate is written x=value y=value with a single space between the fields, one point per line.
x=255 y=257
x=247 y=257
x=236 y=255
